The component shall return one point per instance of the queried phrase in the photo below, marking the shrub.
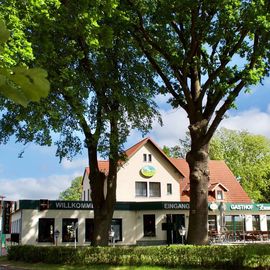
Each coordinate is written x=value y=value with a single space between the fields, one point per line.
x=223 y=256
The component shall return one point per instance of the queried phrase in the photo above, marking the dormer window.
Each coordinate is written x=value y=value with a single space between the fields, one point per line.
x=220 y=196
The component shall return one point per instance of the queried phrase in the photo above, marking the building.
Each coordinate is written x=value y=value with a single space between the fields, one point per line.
x=152 y=205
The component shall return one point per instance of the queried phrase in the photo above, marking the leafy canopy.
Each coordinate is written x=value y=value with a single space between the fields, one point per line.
x=20 y=84
x=74 y=192
x=248 y=156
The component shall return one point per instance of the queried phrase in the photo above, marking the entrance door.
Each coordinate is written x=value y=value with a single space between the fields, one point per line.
x=179 y=223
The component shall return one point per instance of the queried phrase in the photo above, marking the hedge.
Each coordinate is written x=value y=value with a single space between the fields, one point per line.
x=252 y=256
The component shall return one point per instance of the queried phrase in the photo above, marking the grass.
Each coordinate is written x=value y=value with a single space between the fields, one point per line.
x=43 y=266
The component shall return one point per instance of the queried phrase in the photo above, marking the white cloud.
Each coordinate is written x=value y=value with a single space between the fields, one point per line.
x=36 y=188
x=74 y=164
x=253 y=120
x=175 y=125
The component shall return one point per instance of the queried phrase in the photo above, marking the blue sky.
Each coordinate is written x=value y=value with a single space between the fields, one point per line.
x=40 y=175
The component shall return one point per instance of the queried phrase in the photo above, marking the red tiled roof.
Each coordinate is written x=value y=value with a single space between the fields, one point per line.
x=219 y=173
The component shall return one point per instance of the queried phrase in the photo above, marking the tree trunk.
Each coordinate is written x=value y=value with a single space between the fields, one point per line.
x=197 y=159
x=103 y=203
x=102 y=225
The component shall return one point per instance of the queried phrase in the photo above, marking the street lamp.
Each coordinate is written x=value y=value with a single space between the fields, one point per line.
x=56 y=235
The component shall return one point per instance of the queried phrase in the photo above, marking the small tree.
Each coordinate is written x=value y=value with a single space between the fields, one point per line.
x=205 y=53
x=74 y=192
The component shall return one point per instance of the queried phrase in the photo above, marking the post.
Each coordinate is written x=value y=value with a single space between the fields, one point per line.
x=56 y=235
x=1 y=218
x=75 y=227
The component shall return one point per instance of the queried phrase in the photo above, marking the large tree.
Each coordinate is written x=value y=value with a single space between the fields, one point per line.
x=205 y=53
x=248 y=156
x=99 y=88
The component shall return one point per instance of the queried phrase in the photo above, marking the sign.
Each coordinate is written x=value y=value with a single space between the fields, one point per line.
x=73 y=205
x=6 y=217
x=43 y=204
x=263 y=207
x=148 y=171
x=213 y=206
x=241 y=207
x=174 y=205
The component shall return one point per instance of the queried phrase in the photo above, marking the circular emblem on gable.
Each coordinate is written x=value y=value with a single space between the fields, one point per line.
x=148 y=171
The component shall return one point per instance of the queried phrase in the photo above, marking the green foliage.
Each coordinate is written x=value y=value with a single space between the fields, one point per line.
x=221 y=257
x=21 y=84
x=74 y=192
x=248 y=156
x=95 y=73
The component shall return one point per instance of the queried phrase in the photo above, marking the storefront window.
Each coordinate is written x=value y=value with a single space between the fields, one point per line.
x=68 y=231
x=256 y=223
x=45 y=229
x=149 y=226
x=89 y=229
x=116 y=226
x=212 y=223
x=268 y=223
x=141 y=189
x=234 y=223
x=117 y=229
x=154 y=189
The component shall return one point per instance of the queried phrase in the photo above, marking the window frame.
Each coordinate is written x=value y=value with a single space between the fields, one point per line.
x=42 y=239
x=169 y=188
x=146 y=189
x=65 y=230
x=219 y=195
x=149 y=226
x=150 y=190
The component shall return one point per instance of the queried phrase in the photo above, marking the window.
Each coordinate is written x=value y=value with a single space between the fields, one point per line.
x=149 y=226
x=88 y=194
x=116 y=226
x=256 y=222
x=69 y=229
x=84 y=195
x=46 y=230
x=141 y=189
x=89 y=229
x=268 y=222
x=212 y=223
x=145 y=156
x=169 y=189
x=220 y=195
x=234 y=223
x=117 y=229
x=154 y=189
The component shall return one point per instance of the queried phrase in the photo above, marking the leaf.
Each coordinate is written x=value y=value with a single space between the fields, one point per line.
x=4 y=33
x=12 y=92
x=32 y=82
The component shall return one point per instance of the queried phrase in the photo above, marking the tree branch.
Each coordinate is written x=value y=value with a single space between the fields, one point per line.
x=220 y=113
